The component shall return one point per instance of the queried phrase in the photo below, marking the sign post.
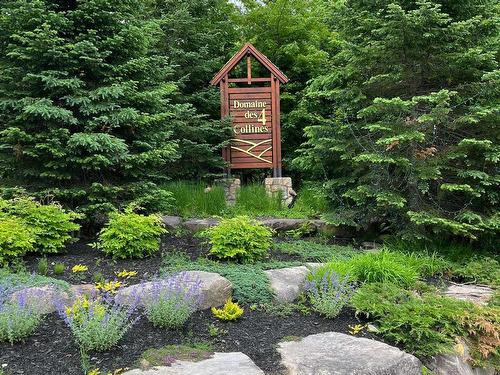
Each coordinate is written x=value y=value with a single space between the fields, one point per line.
x=253 y=103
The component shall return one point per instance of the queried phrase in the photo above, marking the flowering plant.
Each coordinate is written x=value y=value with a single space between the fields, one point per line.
x=108 y=286
x=97 y=321
x=126 y=274
x=18 y=318
x=173 y=300
x=329 y=295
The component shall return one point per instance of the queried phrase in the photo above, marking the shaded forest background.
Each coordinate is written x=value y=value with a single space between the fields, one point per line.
x=392 y=107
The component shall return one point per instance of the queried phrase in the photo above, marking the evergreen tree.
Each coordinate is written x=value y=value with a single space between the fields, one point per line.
x=87 y=112
x=404 y=126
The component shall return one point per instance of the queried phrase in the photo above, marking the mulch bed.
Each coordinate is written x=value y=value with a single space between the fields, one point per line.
x=51 y=350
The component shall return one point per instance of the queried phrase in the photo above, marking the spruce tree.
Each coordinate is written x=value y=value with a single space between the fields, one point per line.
x=87 y=111
x=404 y=127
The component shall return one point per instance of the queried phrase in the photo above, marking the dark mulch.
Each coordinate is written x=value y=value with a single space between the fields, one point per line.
x=97 y=262
x=52 y=350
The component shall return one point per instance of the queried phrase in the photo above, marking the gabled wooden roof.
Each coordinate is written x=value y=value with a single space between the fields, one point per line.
x=259 y=56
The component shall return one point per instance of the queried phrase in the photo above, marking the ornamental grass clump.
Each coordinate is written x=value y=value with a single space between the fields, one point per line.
x=329 y=295
x=97 y=321
x=172 y=301
x=18 y=318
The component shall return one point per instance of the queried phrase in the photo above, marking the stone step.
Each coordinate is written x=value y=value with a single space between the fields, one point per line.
x=220 y=364
x=478 y=294
x=333 y=353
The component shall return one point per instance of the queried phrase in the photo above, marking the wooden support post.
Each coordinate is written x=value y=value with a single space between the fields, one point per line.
x=224 y=111
x=278 y=125
x=274 y=125
x=249 y=69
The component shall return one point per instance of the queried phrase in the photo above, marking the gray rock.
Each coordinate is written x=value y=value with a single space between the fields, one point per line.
x=455 y=363
x=220 y=364
x=333 y=353
x=287 y=283
x=171 y=222
x=473 y=293
x=282 y=225
x=214 y=289
x=42 y=298
x=196 y=225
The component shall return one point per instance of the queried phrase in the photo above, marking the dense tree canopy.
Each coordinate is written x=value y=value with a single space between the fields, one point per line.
x=392 y=105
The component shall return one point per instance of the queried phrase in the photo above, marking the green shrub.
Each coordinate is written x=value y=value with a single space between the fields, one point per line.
x=59 y=268
x=428 y=324
x=239 y=239
x=382 y=266
x=484 y=270
x=230 y=311
x=42 y=267
x=130 y=235
x=50 y=223
x=16 y=239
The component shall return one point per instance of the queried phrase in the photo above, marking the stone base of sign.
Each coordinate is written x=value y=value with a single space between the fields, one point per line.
x=231 y=187
x=280 y=184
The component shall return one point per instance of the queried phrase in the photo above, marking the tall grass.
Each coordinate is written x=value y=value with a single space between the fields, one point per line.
x=252 y=200
x=191 y=200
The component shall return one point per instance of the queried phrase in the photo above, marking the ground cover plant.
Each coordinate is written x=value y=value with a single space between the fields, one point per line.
x=130 y=235
x=427 y=324
x=240 y=239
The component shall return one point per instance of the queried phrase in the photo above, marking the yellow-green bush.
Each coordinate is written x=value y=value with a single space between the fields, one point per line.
x=16 y=239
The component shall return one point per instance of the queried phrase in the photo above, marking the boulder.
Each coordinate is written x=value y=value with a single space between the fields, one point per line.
x=171 y=222
x=333 y=353
x=283 y=225
x=287 y=283
x=196 y=225
x=220 y=364
x=468 y=292
x=456 y=363
x=214 y=289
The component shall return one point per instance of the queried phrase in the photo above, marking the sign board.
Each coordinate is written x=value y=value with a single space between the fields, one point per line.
x=253 y=105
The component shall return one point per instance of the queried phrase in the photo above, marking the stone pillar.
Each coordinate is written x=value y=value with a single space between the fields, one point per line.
x=231 y=186
x=283 y=184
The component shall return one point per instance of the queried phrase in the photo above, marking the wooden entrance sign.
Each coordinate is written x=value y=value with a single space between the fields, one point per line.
x=254 y=106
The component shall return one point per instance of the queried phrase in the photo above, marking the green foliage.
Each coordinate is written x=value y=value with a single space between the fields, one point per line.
x=402 y=125
x=230 y=311
x=130 y=235
x=59 y=268
x=313 y=251
x=483 y=270
x=22 y=279
x=50 y=223
x=239 y=239
x=191 y=199
x=17 y=320
x=428 y=324
x=16 y=239
x=42 y=267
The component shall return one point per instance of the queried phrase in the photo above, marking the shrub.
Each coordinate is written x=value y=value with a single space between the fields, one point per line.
x=239 y=239
x=50 y=223
x=59 y=268
x=130 y=235
x=172 y=302
x=428 y=324
x=482 y=270
x=18 y=319
x=42 y=267
x=230 y=311
x=16 y=239
x=330 y=295
x=97 y=322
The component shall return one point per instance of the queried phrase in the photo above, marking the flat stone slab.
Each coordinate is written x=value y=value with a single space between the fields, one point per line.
x=196 y=225
x=333 y=353
x=469 y=292
x=214 y=289
x=288 y=283
x=220 y=364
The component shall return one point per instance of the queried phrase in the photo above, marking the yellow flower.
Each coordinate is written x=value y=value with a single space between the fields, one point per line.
x=354 y=330
x=126 y=274
x=82 y=306
x=110 y=286
x=79 y=268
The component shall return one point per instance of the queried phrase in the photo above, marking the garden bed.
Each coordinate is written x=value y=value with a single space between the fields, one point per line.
x=51 y=350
